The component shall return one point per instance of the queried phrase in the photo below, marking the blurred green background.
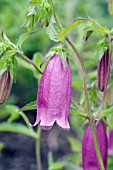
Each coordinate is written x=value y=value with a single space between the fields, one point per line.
x=12 y=13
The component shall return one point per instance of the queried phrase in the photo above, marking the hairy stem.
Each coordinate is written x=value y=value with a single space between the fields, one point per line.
x=38 y=158
x=84 y=75
x=78 y=108
x=29 y=61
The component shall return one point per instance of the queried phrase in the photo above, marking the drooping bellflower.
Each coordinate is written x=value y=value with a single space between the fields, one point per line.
x=89 y=158
x=54 y=95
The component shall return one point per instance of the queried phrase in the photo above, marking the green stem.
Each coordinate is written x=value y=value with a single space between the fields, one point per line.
x=29 y=61
x=84 y=75
x=38 y=157
x=28 y=123
x=78 y=108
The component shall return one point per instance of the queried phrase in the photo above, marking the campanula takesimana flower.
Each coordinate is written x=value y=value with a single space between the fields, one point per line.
x=5 y=85
x=54 y=95
x=89 y=158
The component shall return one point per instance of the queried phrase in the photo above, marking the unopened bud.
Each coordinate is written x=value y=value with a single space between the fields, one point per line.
x=5 y=86
x=103 y=70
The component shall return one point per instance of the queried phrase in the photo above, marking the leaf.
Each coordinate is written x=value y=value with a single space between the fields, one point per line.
x=105 y=113
x=37 y=59
x=52 y=32
x=10 y=53
x=52 y=35
x=16 y=127
x=13 y=68
x=101 y=30
x=76 y=112
x=6 y=40
x=9 y=110
x=75 y=23
x=93 y=26
x=29 y=106
x=88 y=33
x=24 y=36
x=57 y=165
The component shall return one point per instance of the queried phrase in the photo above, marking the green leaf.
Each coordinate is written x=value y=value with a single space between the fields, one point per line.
x=37 y=59
x=101 y=30
x=38 y=13
x=9 y=110
x=52 y=35
x=7 y=41
x=10 y=53
x=29 y=106
x=16 y=127
x=24 y=36
x=88 y=34
x=76 y=112
x=75 y=23
x=105 y=113
x=57 y=165
x=13 y=68
x=93 y=26
x=52 y=32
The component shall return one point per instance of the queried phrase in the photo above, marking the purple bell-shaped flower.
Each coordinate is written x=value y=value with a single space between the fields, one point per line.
x=54 y=95
x=89 y=158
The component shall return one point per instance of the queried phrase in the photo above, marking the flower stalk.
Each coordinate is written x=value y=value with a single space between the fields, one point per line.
x=38 y=156
x=29 y=61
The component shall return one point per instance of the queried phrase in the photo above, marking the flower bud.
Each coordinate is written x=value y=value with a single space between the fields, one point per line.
x=102 y=71
x=110 y=142
x=89 y=157
x=54 y=95
x=5 y=86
